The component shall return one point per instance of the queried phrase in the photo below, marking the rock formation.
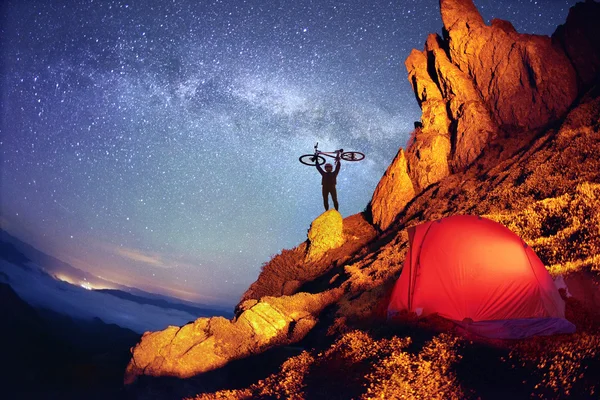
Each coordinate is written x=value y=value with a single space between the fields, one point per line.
x=480 y=81
x=514 y=74
x=210 y=343
x=326 y=232
x=500 y=137
x=392 y=193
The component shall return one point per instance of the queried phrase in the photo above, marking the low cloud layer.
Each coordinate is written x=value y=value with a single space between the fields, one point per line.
x=42 y=291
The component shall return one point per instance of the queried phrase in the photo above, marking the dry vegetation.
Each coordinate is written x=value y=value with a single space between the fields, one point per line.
x=285 y=268
x=563 y=231
x=432 y=359
x=357 y=363
x=428 y=374
x=286 y=272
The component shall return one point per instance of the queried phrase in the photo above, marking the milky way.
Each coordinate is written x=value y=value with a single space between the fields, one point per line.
x=156 y=143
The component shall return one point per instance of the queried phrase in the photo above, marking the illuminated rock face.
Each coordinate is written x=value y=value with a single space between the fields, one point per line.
x=325 y=233
x=393 y=192
x=525 y=81
x=427 y=157
x=210 y=343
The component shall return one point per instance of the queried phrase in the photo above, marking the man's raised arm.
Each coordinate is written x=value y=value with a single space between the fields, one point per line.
x=319 y=168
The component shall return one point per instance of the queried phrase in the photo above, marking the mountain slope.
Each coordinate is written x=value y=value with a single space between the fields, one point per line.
x=501 y=136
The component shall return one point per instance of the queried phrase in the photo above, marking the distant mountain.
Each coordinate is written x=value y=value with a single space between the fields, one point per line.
x=88 y=335
x=12 y=245
x=160 y=302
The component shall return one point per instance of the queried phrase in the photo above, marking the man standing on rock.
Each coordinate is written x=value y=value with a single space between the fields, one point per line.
x=328 y=181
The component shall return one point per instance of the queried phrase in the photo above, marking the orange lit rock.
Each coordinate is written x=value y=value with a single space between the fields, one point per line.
x=477 y=80
x=434 y=116
x=326 y=232
x=460 y=15
x=210 y=343
x=473 y=125
x=429 y=149
x=524 y=80
x=393 y=192
x=427 y=156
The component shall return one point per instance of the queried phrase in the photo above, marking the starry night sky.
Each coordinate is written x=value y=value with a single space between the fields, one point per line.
x=156 y=143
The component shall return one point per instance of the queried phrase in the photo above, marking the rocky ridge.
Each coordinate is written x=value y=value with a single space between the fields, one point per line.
x=475 y=151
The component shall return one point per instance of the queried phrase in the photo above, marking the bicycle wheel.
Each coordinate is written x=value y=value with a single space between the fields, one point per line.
x=352 y=156
x=309 y=159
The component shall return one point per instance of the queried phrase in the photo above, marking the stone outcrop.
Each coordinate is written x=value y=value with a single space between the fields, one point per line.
x=430 y=146
x=515 y=74
x=434 y=117
x=472 y=126
x=480 y=81
x=326 y=232
x=287 y=272
x=427 y=157
x=393 y=192
x=210 y=343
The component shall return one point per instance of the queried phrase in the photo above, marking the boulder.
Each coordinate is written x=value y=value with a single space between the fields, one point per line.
x=210 y=343
x=326 y=232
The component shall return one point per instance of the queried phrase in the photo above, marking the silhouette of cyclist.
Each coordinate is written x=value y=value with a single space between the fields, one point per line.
x=329 y=181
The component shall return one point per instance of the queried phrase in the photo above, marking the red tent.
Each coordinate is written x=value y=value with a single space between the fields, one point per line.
x=481 y=275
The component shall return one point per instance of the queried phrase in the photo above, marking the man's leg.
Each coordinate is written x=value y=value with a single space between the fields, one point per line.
x=325 y=199
x=334 y=198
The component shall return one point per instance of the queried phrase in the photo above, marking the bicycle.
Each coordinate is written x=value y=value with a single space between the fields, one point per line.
x=317 y=158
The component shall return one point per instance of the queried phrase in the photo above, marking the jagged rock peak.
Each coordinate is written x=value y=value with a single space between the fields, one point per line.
x=326 y=232
x=514 y=74
x=479 y=82
x=459 y=14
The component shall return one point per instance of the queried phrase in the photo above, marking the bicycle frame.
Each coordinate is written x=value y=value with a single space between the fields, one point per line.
x=332 y=154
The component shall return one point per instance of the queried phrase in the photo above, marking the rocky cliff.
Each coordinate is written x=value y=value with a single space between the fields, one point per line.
x=479 y=82
x=510 y=130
